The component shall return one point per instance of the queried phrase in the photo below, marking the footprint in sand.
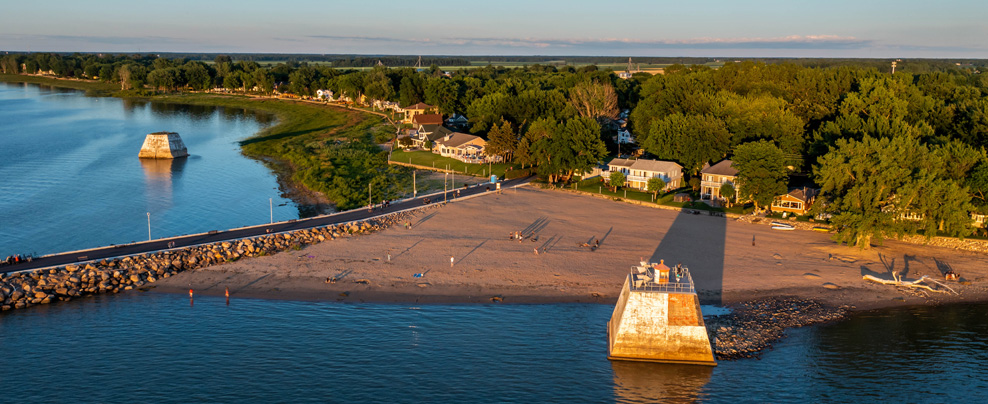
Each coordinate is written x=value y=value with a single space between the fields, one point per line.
x=811 y=276
x=777 y=256
x=831 y=286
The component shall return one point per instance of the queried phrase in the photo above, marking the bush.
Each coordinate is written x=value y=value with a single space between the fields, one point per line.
x=512 y=174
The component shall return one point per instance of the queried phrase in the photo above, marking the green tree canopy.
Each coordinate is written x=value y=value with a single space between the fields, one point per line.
x=617 y=179
x=891 y=186
x=690 y=140
x=655 y=185
x=761 y=172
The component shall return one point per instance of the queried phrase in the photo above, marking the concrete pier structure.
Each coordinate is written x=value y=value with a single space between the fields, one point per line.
x=657 y=318
x=163 y=145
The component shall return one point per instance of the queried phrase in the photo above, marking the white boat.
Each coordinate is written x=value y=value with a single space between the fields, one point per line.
x=782 y=226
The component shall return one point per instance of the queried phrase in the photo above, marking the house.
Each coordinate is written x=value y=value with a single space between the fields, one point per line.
x=643 y=170
x=417 y=109
x=624 y=136
x=457 y=121
x=428 y=135
x=427 y=119
x=461 y=146
x=324 y=95
x=622 y=165
x=978 y=219
x=713 y=177
x=797 y=201
x=624 y=75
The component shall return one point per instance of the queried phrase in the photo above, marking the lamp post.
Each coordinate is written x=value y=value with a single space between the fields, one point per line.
x=415 y=190
x=149 y=226
x=271 y=208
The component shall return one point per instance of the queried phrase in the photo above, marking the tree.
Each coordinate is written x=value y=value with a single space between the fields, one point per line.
x=9 y=65
x=728 y=192
x=595 y=100
x=761 y=172
x=655 y=185
x=891 y=186
x=691 y=140
x=617 y=180
x=559 y=150
x=501 y=141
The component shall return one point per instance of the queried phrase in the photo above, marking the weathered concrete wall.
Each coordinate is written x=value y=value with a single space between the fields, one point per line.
x=24 y=289
x=163 y=145
x=659 y=327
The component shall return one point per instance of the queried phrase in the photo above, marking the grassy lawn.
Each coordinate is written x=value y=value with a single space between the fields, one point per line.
x=92 y=87
x=430 y=159
x=597 y=186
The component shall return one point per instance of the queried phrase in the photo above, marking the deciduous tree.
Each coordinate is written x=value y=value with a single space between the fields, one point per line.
x=761 y=172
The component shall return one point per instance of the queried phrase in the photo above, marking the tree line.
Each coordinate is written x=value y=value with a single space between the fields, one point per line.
x=893 y=153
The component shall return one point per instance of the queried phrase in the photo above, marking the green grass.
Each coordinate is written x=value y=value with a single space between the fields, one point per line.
x=597 y=186
x=430 y=159
x=91 y=87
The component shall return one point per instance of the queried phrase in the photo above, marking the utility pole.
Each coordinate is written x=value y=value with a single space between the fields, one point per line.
x=445 y=176
x=893 y=67
x=370 y=201
x=415 y=190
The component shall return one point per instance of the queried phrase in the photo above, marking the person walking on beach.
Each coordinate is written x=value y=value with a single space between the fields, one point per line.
x=450 y=261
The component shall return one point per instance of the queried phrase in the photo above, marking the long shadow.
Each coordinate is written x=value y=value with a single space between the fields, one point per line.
x=424 y=219
x=943 y=266
x=474 y=249
x=536 y=226
x=252 y=283
x=409 y=248
x=697 y=242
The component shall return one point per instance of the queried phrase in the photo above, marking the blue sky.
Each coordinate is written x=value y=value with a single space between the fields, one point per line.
x=751 y=28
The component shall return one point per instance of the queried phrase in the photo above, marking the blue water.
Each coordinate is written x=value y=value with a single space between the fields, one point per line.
x=149 y=347
x=70 y=177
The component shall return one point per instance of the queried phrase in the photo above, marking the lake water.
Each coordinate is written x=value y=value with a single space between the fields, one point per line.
x=70 y=177
x=150 y=347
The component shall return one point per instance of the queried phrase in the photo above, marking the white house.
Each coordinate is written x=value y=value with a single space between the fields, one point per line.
x=643 y=170
x=714 y=177
x=624 y=136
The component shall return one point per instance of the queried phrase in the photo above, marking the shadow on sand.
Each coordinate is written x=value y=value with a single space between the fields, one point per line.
x=690 y=233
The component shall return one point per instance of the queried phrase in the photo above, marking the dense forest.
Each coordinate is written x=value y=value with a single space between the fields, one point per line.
x=882 y=147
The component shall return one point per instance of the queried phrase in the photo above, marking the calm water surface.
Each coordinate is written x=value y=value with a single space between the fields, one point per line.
x=70 y=177
x=148 y=347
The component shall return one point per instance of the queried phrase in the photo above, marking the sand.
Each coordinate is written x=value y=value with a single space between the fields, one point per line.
x=730 y=261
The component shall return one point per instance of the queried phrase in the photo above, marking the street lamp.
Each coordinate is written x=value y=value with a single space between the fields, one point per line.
x=271 y=208
x=149 y=226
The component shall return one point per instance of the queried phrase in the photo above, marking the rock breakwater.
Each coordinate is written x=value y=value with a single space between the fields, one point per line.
x=753 y=326
x=43 y=286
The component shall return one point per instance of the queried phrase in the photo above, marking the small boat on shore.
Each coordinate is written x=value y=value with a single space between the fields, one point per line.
x=782 y=226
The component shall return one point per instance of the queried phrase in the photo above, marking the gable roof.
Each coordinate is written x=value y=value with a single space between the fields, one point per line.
x=656 y=166
x=420 y=105
x=435 y=133
x=427 y=119
x=458 y=139
x=722 y=168
x=621 y=162
x=803 y=194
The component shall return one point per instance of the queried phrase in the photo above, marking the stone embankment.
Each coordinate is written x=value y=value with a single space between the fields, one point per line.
x=24 y=289
x=753 y=326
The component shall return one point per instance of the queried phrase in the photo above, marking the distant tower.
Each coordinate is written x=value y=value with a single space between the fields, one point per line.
x=629 y=65
x=893 y=67
x=418 y=65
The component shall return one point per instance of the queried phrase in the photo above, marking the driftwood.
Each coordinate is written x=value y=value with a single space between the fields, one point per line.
x=919 y=283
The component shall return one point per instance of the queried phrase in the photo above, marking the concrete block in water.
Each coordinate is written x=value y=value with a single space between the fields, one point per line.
x=163 y=145
x=658 y=326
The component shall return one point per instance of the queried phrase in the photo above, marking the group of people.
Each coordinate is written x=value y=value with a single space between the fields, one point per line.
x=593 y=245
x=16 y=259
x=517 y=235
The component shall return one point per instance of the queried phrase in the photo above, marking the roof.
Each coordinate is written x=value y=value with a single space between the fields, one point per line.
x=656 y=166
x=458 y=139
x=621 y=163
x=427 y=119
x=723 y=168
x=434 y=132
x=420 y=105
x=803 y=194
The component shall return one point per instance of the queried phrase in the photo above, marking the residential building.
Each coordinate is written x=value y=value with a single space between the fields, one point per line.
x=642 y=170
x=715 y=176
x=624 y=136
x=427 y=119
x=622 y=165
x=429 y=134
x=417 y=109
x=797 y=201
x=461 y=146
x=457 y=121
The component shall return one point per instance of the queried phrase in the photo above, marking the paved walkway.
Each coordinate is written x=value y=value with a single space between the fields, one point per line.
x=246 y=232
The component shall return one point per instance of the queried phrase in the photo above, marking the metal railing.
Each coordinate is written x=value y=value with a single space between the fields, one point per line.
x=645 y=279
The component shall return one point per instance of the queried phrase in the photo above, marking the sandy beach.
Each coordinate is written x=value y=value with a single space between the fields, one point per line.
x=730 y=261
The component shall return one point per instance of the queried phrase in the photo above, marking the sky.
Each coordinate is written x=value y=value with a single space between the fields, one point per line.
x=707 y=28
